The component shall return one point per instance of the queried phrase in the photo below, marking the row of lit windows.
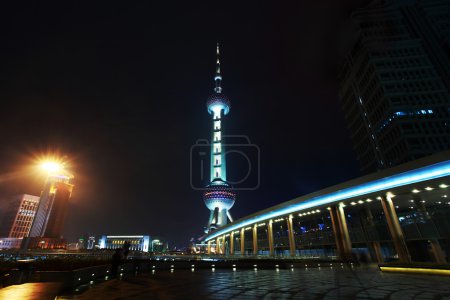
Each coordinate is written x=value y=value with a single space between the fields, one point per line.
x=121 y=242
x=25 y=218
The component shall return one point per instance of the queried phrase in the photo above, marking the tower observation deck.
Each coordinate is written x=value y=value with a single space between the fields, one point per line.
x=218 y=196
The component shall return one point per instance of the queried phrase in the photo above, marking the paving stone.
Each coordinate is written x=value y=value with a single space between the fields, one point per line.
x=327 y=283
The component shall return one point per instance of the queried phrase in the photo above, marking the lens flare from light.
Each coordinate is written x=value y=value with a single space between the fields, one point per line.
x=51 y=166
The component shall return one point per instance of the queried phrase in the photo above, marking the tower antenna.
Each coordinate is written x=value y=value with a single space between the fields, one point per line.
x=218 y=77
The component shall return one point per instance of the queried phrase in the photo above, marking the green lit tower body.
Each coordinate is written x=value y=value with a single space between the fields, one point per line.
x=218 y=196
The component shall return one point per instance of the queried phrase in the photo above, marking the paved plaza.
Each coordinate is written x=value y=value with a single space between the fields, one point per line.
x=322 y=283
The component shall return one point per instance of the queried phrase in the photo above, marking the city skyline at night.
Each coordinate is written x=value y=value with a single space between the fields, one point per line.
x=121 y=92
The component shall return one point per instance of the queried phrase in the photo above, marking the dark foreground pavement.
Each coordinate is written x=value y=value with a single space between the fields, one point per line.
x=31 y=291
x=324 y=283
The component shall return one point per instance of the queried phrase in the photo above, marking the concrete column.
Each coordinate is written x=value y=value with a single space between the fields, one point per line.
x=218 y=246
x=337 y=232
x=223 y=245
x=343 y=243
x=436 y=249
x=242 y=241
x=232 y=243
x=208 y=248
x=344 y=230
x=395 y=229
x=255 y=239
x=270 y=237
x=437 y=252
x=375 y=245
x=291 y=236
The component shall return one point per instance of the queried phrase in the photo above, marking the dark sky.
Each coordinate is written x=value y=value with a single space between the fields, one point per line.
x=120 y=88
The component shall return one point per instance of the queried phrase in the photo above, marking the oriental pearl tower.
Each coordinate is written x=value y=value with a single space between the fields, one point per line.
x=218 y=195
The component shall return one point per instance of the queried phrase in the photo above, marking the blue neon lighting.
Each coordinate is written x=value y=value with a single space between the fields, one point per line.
x=405 y=113
x=434 y=171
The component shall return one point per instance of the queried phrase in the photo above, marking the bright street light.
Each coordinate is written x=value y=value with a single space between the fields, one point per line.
x=51 y=166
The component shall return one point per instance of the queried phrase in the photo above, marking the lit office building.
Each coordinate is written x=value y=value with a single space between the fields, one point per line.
x=53 y=206
x=17 y=220
x=394 y=83
x=19 y=216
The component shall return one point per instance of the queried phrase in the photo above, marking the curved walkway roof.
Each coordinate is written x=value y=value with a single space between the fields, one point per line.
x=392 y=180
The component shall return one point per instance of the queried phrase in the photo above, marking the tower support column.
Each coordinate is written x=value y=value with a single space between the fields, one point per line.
x=270 y=237
x=395 y=229
x=291 y=236
x=255 y=239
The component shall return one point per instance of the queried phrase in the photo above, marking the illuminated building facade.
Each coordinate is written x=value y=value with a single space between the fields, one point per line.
x=137 y=242
x=159 y=245
x=397 y=214
x=394 y=83
x=17 y=220
x=19 y=216
x=53 y=205
x=218 y=195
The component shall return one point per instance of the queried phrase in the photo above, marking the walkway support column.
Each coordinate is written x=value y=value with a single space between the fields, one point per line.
x=438 y=254
x=395 y=229
x=223 y=245
x=291 y=236
x=208 y=248
x=255 y=239
x=436 y=249
x=218 y=245
x=270 y=238
x=375 y=245
x=344 y=231
x=232 y=243
x=342 y=240
x=242 y=241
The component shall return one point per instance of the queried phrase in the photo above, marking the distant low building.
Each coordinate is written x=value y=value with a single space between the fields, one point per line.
x=10 y=243
x=137 y=242
x=159 y=245
x=74 y=246
x=90 y=244
x=43 y=243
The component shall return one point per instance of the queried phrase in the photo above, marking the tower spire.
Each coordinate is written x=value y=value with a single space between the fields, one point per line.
x=218 y=77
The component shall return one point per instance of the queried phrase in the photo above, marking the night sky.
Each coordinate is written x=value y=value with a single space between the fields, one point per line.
x=120 y=88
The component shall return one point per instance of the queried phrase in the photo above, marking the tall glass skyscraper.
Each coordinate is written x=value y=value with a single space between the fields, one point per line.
x=395 y=82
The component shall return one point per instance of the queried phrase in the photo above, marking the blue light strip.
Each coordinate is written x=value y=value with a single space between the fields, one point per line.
x=405 y=113
x=434 y=171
